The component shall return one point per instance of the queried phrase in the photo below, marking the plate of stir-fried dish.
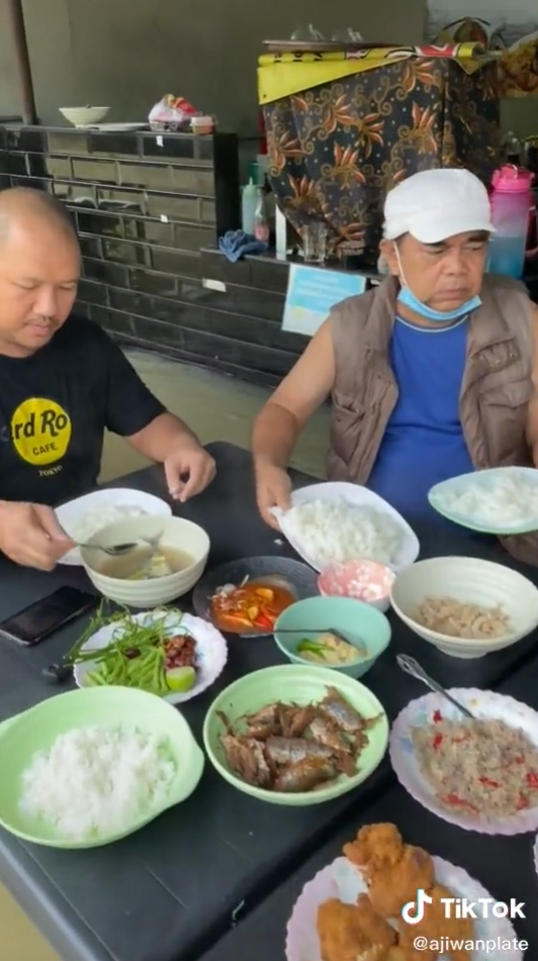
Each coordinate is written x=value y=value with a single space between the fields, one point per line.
x=480 y=773
x=352 y=909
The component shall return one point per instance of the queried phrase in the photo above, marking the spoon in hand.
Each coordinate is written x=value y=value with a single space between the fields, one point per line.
x=412 y=667
x=118 y=550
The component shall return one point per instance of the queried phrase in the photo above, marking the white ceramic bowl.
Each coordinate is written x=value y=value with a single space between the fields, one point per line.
x=82 y=116
x=363 y=580
x=148 y=593
x=112 y=504
x=470 y=581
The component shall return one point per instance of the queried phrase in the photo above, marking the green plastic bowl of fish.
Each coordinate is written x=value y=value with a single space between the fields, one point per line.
x=365 y=628
x=308 y=771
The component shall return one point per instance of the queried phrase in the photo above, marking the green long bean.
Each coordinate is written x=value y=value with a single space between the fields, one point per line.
x=135 y=656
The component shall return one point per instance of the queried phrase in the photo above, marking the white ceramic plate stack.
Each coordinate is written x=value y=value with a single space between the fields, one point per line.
x=71 y=514
x=470 y=581
x=356 y=496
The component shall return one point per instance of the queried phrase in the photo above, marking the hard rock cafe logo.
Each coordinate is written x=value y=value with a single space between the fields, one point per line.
x=40 y=431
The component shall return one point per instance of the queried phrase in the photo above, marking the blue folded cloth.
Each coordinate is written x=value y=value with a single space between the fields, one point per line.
x=236 y=243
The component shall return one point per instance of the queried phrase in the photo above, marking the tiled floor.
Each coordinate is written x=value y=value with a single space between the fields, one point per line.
x=217 y=408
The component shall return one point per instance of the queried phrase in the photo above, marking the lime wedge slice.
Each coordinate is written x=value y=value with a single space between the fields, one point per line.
x=181 y=679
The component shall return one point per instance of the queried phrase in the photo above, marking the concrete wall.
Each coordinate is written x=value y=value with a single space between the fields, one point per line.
x=128 y=53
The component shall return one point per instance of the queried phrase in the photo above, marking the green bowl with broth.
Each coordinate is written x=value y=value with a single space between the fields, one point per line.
x=363 y=626
x=183 y=548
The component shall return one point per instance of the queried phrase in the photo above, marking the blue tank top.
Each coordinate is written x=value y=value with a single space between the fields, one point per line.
x=423 y=442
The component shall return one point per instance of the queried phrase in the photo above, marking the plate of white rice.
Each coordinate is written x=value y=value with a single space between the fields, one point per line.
x=500 y=501
x=83 y=517
x=340 y=522
x=87 y=768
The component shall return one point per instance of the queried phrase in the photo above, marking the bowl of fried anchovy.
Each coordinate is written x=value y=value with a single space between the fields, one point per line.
x=296 y=735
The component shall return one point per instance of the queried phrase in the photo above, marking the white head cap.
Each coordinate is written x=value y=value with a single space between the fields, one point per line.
x=436 y=204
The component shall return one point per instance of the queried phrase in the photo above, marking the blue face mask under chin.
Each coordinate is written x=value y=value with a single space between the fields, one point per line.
x=407 y=298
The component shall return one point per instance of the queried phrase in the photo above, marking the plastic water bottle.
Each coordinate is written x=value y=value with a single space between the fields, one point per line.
x=249 y=203
x=511 y=203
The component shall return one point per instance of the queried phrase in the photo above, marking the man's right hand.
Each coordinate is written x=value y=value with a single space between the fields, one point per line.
x=31 y=536
x=273 y=489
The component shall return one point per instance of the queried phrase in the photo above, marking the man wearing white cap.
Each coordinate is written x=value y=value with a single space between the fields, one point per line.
x=431 y=374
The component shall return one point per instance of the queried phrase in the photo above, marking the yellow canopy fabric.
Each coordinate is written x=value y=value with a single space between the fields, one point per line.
x=285 y=74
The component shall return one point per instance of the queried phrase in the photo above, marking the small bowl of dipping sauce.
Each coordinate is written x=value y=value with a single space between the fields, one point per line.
x=363 y=580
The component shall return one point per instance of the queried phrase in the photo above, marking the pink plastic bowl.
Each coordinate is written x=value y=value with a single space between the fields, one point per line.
x=366 y=581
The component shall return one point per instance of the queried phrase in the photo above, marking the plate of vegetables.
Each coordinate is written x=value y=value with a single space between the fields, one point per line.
x=164 y=652
x=248 y=596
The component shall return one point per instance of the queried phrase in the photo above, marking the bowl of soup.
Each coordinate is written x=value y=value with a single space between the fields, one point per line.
x=150 y=574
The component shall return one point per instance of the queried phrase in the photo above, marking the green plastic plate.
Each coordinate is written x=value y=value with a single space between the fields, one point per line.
x=439 y=493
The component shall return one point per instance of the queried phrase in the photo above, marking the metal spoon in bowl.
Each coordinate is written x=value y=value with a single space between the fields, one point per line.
x=118 y=550
x=412 y=667
x=357 y=642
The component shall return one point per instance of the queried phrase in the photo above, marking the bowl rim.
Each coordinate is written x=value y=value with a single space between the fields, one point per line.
x=61 y=109
x=168 y=578
x=263 y=794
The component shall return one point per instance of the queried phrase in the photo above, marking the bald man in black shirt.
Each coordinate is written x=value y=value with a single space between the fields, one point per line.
x=62 y=382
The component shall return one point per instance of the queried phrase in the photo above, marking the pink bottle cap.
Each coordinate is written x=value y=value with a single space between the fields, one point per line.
x=512 y=179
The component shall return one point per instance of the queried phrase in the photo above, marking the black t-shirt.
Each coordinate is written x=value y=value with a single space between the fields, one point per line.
x=54 y=408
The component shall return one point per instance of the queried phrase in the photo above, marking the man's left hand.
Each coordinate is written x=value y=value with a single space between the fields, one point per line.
x=189 y=469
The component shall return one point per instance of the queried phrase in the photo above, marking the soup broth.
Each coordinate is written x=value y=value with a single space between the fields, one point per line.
x=137 y=565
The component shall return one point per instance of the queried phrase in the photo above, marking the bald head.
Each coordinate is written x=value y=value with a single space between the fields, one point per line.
x=21 y=206
x=39 y=269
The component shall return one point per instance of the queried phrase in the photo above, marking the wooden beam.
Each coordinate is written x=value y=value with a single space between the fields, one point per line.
x=26 y=87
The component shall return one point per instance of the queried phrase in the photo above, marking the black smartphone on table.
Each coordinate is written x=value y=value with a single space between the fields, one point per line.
x=41 y=619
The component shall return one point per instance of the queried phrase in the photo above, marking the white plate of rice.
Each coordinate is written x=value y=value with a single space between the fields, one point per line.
x=341 y=522
x=500 y=501
x=83 y=517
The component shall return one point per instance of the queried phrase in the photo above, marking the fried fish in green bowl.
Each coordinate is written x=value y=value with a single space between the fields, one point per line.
x=296 y=735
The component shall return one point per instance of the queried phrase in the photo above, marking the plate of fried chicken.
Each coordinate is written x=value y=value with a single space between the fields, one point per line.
x=352 y=909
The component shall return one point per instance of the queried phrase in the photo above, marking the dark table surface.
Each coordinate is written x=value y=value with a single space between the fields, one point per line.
x=505 y=866
x=170 y=891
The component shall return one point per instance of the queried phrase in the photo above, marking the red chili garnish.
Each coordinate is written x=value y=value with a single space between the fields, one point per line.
x=437 y=741
x=437 y=716
x=522 y=803
x=532 y=779
x=487 y=782
x=456 y=801
x=262 y=621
